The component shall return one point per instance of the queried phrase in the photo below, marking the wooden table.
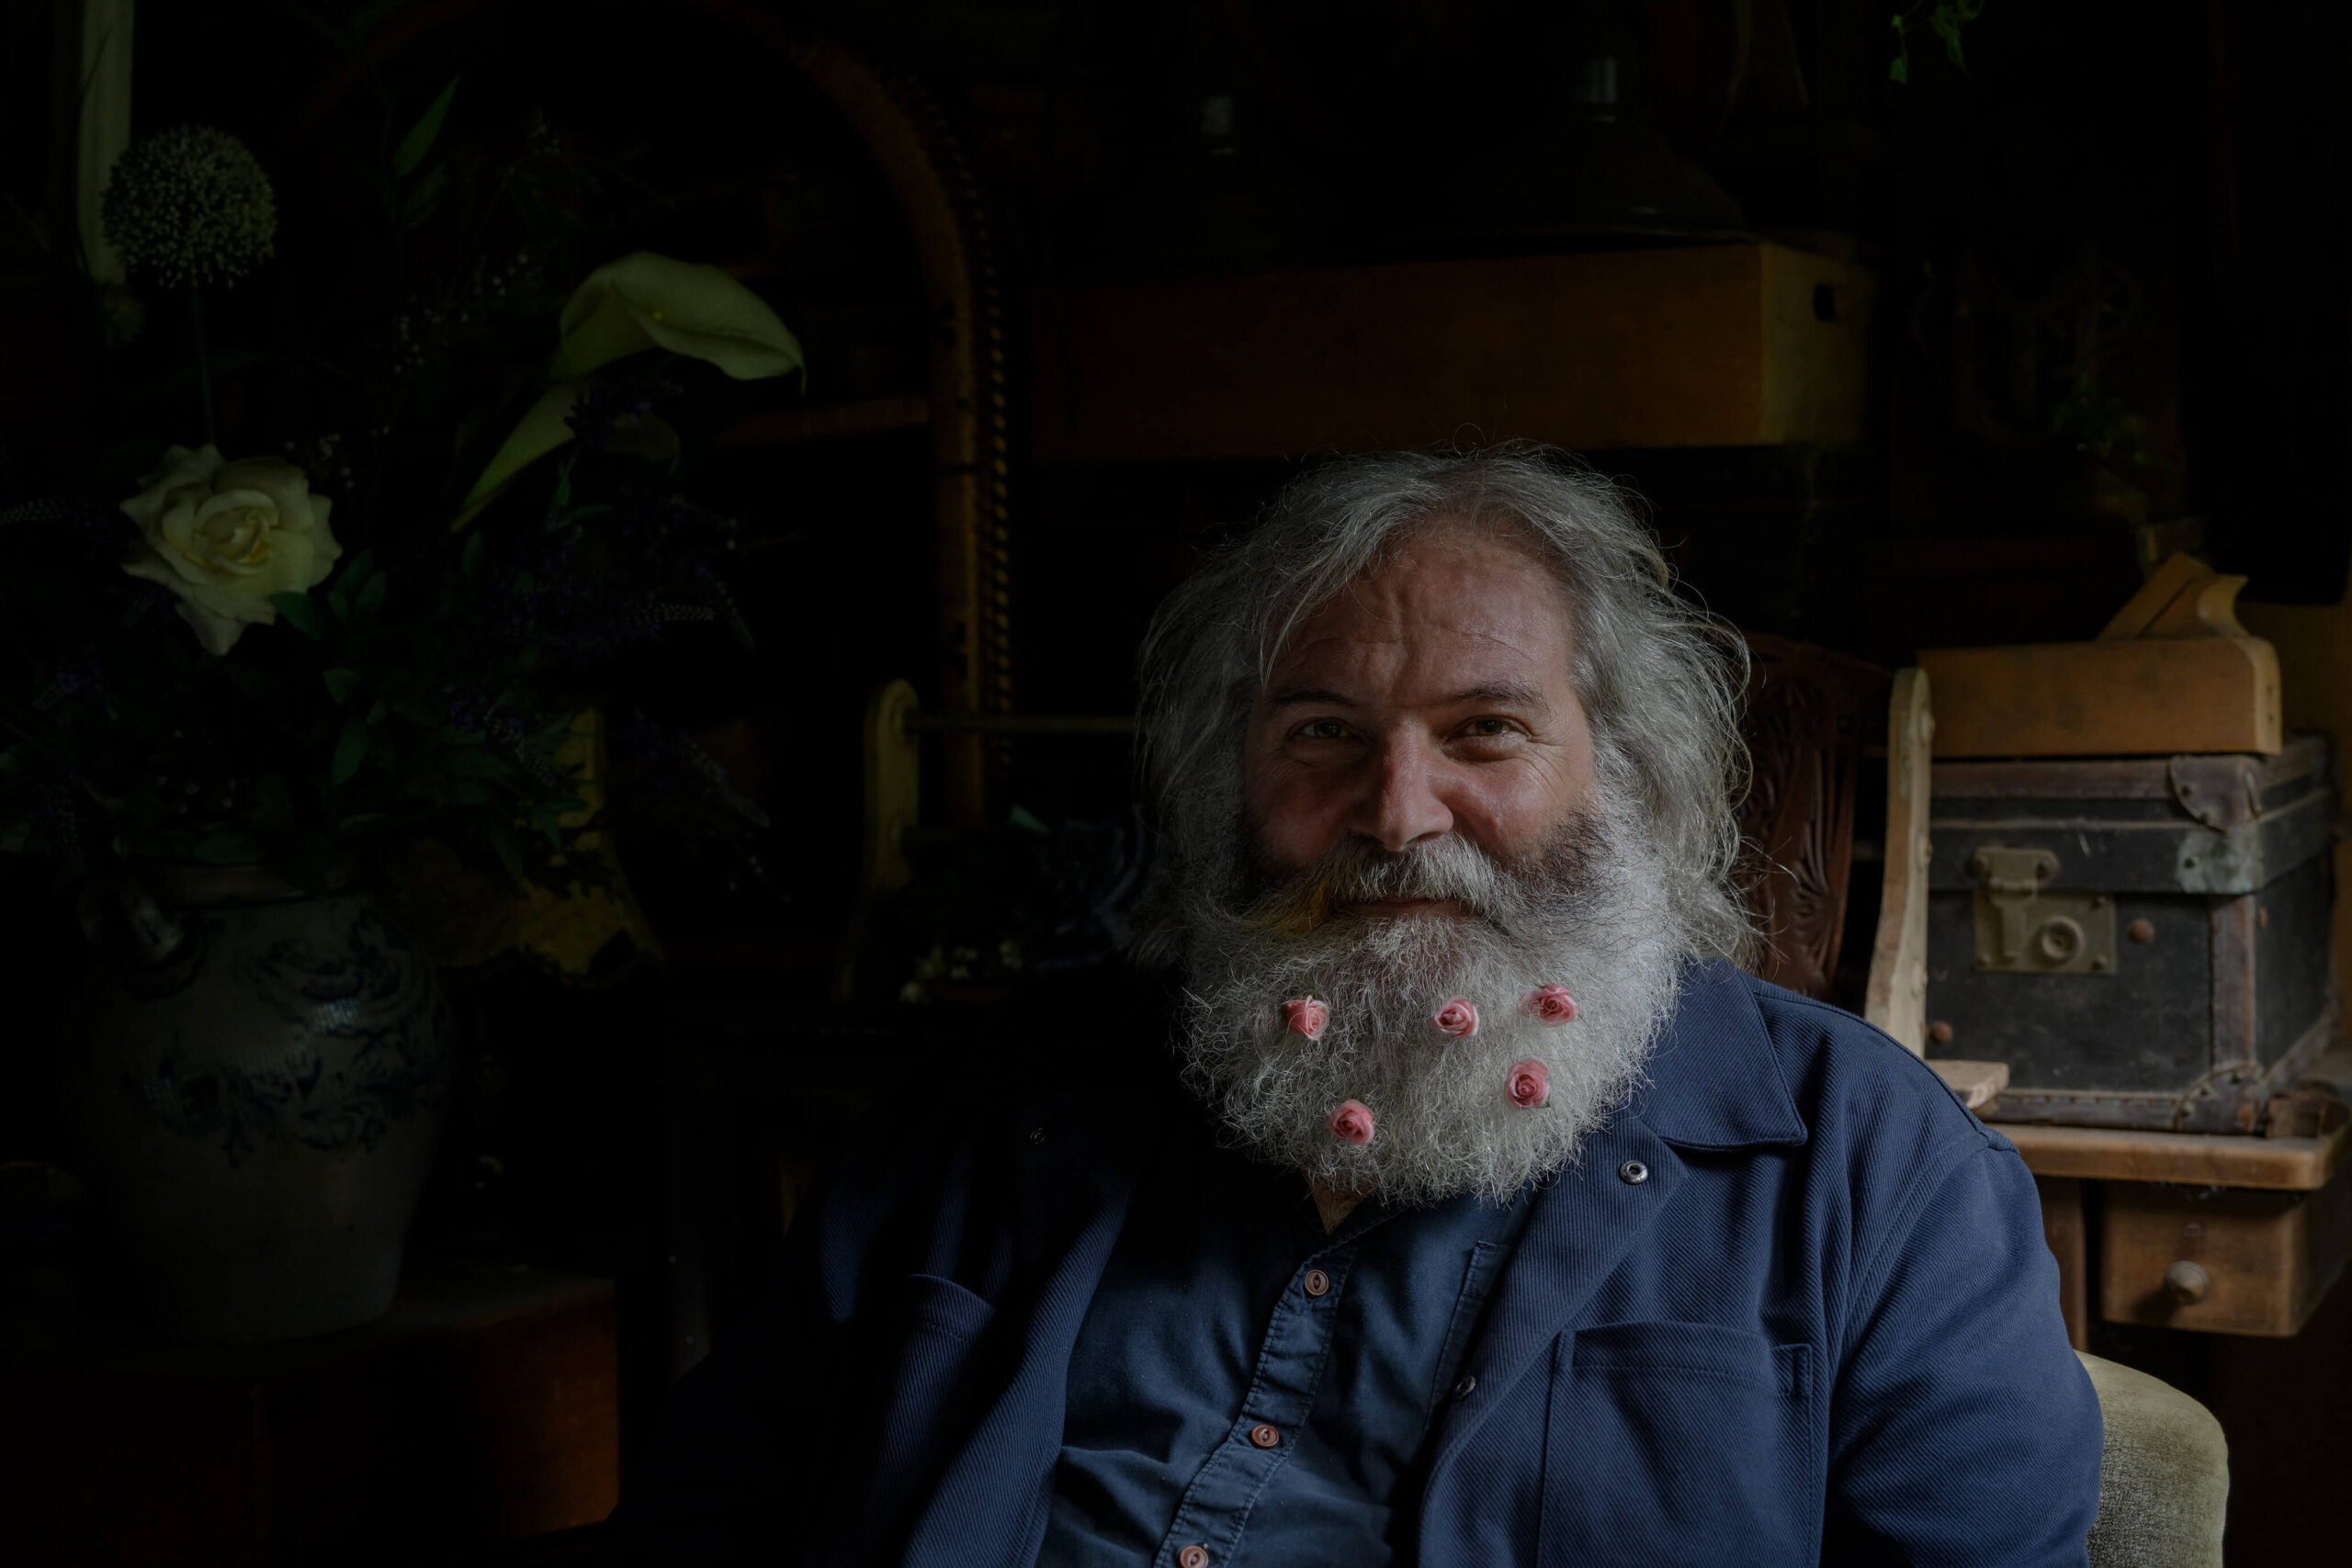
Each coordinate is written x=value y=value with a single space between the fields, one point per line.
x=485 y=1406
x=2221 y=1234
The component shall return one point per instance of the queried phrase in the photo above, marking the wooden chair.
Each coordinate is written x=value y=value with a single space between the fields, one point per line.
x=1808 y=709
x=1896 y=996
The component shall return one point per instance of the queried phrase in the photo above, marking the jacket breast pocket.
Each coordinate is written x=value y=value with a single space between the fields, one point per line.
x=1681 y=1443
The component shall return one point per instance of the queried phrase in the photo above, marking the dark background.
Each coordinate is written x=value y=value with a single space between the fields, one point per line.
x=2163 y=182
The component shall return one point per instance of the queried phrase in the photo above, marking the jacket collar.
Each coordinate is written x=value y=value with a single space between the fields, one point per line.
x=1714 y=1080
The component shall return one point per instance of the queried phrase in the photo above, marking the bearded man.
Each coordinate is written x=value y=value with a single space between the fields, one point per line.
x=1498 y=1216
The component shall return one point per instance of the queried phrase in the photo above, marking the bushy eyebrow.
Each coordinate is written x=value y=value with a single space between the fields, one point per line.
x=1509 y=693
x=1306 y=696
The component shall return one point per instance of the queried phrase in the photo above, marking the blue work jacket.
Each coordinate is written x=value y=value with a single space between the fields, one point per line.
x=1792 y=1305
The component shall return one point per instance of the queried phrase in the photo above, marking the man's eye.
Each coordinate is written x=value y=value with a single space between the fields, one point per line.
x=1490 y=726
x=1323 y=729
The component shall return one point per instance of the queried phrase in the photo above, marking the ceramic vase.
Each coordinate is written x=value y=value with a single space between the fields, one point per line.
x=254 y=1077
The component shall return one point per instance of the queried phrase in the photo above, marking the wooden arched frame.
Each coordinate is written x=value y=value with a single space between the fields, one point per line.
x=924 y=164
x=921 y=160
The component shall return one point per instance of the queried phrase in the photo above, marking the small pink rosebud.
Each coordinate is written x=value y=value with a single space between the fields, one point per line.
x=1351 y=1123
x=1529 y=1085
x=1305 y=1016
x=1458 y=1017
x=1550 y=1004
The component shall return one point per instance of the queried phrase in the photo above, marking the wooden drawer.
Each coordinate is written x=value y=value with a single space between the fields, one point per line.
x=2266 y=1221
x=2264 y=1259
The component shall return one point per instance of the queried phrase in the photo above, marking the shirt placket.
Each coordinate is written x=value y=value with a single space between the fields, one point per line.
x=1206 y=1532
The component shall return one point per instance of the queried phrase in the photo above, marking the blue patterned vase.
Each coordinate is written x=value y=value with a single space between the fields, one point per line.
x=255 y=1077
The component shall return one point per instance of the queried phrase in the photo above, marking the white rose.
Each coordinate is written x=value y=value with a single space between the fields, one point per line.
x=224 y=536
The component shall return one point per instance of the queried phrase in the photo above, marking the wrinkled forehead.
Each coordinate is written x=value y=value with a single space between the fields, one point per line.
x=1447 y=594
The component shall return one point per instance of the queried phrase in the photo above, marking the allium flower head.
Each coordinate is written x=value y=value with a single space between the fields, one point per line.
x=190 y=205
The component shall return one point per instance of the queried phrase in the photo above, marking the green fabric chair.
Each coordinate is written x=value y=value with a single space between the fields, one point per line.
x=2163 y=1478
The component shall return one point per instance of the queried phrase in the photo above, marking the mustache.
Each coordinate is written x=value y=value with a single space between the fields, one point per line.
x=1451 y=869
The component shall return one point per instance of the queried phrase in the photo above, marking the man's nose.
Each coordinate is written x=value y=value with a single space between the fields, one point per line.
x=1403 y=806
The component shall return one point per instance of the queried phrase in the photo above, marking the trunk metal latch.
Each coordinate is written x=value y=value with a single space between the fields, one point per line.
x=2020 y=930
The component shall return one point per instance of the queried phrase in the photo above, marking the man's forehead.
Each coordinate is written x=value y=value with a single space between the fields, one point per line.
x=1472 y=608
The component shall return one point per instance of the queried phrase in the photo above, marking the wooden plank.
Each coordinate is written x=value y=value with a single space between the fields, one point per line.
x=1978 y=1084
x=2165 y=585
x=2119 y=778
x=1703 y=346
x=2217 y=1159
x=2088 y=699
x=1896 y=996
x=2069 y=1237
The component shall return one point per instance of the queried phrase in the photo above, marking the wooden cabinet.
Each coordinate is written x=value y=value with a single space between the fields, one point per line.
x=2210 y=1232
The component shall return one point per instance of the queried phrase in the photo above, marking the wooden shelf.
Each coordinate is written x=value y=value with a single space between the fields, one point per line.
x=1701 y=345
x=2204 y=1160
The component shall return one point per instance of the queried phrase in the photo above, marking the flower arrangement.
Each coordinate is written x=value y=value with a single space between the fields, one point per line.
x=202 y=669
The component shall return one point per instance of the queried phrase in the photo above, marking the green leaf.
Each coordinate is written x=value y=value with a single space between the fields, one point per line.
x=349 y=581
x=423 y=197
x=227 y=849
x=300 y=612
x=376 y=715
x=545 y=427
x=341 y=683
x=350 y=751
x=645 y=300
x=469 y=560
x=371 y=597
x=1945 y=21
x=419 y=138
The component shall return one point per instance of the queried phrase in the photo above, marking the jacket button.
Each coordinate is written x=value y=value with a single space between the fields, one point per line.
x=1265 y=1437
x=1037 y=1135
x=1318 y=1284
x=1633 y=1173
x=1464 y=1388
x=1193 y=1556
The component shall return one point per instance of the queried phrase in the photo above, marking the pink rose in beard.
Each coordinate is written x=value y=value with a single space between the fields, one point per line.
x=1529 y=1085
x=1550 y=1004
x=1458 y=1017
x=1351 y=1123
x=1305 y=1016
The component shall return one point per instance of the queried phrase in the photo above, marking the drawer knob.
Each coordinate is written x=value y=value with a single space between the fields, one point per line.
x=2186 y=1282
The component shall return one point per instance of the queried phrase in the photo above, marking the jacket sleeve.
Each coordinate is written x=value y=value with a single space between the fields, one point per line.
x=765 y=1450
x=1962 y=1429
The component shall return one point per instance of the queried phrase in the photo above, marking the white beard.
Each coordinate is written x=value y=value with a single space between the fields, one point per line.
x=1591 y=915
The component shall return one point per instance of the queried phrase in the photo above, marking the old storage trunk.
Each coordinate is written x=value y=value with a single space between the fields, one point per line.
x=2144 y=942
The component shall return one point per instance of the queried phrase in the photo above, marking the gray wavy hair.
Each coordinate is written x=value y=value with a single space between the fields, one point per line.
x=1661 y=680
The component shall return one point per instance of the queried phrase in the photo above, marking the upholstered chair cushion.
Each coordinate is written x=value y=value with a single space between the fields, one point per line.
x=2163 y=1477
